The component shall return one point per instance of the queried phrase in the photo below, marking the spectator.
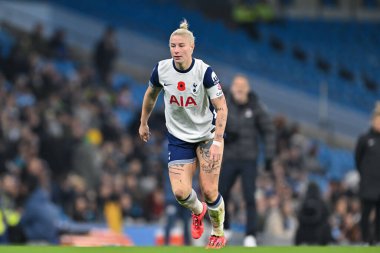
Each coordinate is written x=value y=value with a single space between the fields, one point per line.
x=281 y=223
x=338 y=218
x=105 y=53
x=37 y=41
x=40 y=216
x=57 y=45
x=367 y=159
x=313 y=219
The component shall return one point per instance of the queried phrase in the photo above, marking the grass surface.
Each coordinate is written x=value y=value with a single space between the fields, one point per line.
x=231 y=249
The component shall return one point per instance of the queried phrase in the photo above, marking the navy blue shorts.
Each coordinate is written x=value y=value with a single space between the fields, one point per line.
x=180 y=151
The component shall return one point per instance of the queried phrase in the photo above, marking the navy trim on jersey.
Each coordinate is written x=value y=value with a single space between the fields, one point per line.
x=186 y=70
x=154 y=77
x=207 y=79
x=212 y=109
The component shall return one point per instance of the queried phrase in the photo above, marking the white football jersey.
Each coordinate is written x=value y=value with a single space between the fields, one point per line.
x=188 y=111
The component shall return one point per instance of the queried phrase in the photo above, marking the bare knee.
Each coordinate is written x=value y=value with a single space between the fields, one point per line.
x=180 y=194
x=210 y=194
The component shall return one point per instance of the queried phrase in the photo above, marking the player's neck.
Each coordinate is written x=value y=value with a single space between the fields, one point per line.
x=184 y=65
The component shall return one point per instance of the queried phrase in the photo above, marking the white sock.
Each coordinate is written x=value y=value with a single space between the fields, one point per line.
x=192 y=202
x=216 y=213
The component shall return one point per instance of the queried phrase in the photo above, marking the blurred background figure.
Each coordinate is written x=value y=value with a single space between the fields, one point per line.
x=105 y=54
x=57 y=45
x=313 y=219
x=367 y=159
x=248 y=124
x=281 y=223
x=40 y=217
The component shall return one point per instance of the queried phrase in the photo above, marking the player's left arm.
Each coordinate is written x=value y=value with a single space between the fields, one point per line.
x=218 y=100
x=221 y=109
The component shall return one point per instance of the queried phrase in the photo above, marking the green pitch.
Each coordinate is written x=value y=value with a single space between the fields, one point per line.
x=232 y=249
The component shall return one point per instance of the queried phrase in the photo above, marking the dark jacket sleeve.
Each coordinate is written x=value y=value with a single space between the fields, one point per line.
x=359 y=151
x=266 y=129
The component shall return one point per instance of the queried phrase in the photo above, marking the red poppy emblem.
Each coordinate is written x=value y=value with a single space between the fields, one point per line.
x=181 y=86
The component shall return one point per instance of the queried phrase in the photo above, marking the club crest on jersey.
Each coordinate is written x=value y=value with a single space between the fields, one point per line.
x=183 y=101
x=195 y=89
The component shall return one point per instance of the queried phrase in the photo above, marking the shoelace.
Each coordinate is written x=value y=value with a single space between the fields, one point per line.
x=214 y=241
x=196 y=221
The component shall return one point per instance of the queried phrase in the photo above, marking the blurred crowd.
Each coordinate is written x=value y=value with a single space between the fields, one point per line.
x=64 y=154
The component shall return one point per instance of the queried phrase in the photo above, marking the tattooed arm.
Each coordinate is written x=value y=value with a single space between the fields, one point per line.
x=221 y=109
x=149 y=102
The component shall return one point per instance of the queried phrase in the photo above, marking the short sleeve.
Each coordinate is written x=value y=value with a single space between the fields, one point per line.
x=153 y=81
x=212 y=84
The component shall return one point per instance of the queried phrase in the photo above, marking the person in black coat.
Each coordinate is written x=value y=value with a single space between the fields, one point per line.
x=313 y=228
x=105 y=54
x=248 y=124
x=367 y=159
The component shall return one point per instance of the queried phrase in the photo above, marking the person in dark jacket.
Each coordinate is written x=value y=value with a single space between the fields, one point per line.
x=247 y=124
x=367 y=159
x=105 y=54
x=313 y=228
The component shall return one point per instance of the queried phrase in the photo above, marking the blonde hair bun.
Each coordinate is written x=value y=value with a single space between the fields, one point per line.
x=183 y=30
x=184 y=25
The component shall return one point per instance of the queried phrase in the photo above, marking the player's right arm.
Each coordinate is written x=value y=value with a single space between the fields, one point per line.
x=150 y=99
x=149 y=102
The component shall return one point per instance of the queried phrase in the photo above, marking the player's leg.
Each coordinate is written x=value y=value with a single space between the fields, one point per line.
x=181 y=180
x=182 y=165
x=180 y=175
x=209 y=182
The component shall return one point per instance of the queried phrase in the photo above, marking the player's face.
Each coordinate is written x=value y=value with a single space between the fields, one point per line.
x=181 y=50
x=240 y=89
x=376 y=123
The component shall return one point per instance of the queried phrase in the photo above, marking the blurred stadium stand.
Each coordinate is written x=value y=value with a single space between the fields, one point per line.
x=321 y=72
x=143 y=38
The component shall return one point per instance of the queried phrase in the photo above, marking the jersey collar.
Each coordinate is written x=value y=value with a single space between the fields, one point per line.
x=186 y=70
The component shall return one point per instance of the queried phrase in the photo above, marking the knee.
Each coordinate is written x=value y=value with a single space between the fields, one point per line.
x=210 y=195
x=180 y=194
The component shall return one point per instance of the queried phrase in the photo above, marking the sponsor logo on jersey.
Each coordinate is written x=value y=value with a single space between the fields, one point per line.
x=219 y=93
x=167 y=84
x=183 y=101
